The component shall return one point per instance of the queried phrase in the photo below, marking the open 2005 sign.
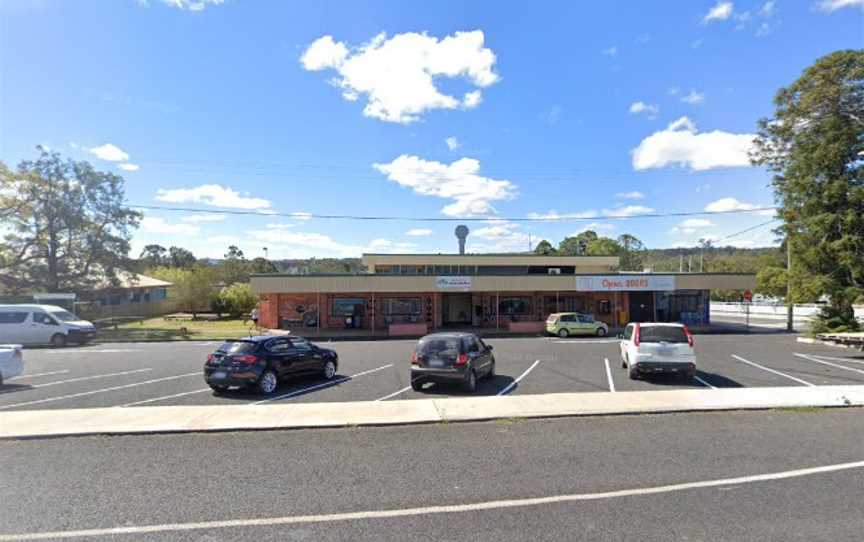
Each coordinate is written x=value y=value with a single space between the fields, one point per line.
x=625 y=283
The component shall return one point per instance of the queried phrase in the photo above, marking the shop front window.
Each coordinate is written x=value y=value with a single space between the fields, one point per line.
x=348 y=306
x=402 y=309
x=515 y=307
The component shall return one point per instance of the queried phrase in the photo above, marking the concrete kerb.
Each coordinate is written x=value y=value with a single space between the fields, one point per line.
x=181 y=419
x=820 y=342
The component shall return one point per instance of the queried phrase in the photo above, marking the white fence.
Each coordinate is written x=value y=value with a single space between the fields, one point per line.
x=769 y=310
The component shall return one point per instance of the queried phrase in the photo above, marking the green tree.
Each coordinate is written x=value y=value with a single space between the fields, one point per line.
x=262 y=265
x=576 y=245
x=545 y=248
x=772 y=281
x=153 y=256
x=180 y=257
x=632 y=253
x=234 y=267
x=191 y=288
x=603 y=246
x=239 y=299
x=66 y=226
x=814 y=144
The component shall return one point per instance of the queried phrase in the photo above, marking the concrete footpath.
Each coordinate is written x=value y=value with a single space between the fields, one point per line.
x=172 y=419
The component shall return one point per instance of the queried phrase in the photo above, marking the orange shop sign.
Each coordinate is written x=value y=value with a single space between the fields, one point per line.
x=625 y=283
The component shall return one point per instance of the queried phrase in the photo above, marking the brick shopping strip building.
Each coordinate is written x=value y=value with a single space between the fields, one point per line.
x=411 y=294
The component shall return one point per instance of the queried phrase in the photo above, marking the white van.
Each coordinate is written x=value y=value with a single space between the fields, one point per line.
x=43 y=324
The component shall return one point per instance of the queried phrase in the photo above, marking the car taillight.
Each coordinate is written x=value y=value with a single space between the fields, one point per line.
x=689 y=336
x=462 y=359
x=210 y=358
x=248 y=358
x=414 y=360
x=636 y=336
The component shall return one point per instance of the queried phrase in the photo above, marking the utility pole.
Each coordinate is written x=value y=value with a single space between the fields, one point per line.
x=681 y=264
x=790 y=307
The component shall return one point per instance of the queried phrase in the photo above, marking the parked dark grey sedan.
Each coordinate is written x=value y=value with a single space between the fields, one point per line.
x=459 y=358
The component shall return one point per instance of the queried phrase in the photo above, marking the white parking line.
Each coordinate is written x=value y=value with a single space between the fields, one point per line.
x=512 y=385
x=823 y=362
x=319 y=386
x=64 y=371
x=609 y=375
x=80 y=379
x=790 y=377
x=145 y=401
x=699 y=380
x=583 y=341
x=844 y=360
x=103 y=390
x=446 y=508
x=66 y=352
x=394 y=394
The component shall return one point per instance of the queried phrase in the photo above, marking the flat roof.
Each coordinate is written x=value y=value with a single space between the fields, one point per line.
x=488 y=259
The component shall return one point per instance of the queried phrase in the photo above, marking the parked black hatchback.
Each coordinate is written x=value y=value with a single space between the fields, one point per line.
x=261 y=362
x=451 y=358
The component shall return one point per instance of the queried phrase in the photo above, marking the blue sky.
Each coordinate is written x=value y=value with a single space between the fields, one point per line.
x=423 y=109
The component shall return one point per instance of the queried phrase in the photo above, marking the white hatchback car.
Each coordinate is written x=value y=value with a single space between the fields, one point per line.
x=648 y=348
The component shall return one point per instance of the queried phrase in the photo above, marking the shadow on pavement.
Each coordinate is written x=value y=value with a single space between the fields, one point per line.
x=485 y=387
x=297 y=386
x=12 y=388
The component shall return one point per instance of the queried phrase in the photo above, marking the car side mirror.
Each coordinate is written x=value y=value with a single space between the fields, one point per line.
x=620 y=335
x=489 y=347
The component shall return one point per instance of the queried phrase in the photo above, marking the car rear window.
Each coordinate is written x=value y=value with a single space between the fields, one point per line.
x=439 y=346
x=237 y=347
x=666 y=334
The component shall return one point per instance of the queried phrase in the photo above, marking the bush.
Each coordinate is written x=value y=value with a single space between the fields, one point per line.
x=239 y=300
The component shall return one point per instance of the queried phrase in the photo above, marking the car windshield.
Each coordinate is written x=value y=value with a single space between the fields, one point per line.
x=64 y=316
x=237 y=347
x=662 y=334
x=439 y=346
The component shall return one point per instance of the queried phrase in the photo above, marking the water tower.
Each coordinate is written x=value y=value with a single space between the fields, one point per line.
x=461 y=234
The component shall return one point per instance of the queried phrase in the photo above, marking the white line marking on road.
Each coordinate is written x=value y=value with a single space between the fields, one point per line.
x=699 y=380
x=823 y=362
x=790 y=377
x=512 y=385
x=145 y=401
x=103 y=390
x=327 y=384
x=845 y=360
x=86 y=351
x=609 y=375
x=80 y=379
x=64 y=371
x=394 y=394
x=584 y=341
x=430 y=510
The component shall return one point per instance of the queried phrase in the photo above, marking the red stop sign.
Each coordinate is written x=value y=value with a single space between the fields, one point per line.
x=748 y=295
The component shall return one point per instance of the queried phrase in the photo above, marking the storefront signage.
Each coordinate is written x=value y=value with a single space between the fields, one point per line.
x=625 y=283
x=453 y=283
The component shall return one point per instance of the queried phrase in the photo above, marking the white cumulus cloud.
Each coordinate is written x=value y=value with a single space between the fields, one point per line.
x=724 y=205
x=398 y=75
x=610 y=51
x=460 y=181
x=628 y=210
x=553 y=215
x=110 y=153
x=191 y=5
x=211 y=194
x=635 y=194
x=129 y=167
x=452 y=143
x=694 y=98
x=641 y=107
x=834 y=5
x=209 y=217
x=681 y=144
x=719 y=12
x=595 y=227
x=419 y=232
x=155 y=224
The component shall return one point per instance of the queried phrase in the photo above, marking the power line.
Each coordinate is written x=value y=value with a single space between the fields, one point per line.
x=751 y=228
x=548 y=219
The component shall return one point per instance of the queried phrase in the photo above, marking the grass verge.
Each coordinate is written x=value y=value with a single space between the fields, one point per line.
x=164 y=329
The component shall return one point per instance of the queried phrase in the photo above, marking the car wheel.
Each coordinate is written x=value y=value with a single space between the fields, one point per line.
x=601 y=331
x=687 y=376
x=470 y=384
x=58 y=340
x=329 y=370
x=417 y=384
x=634 y=374
x=563 y=333
x=268 y=382
x=218 y=390
x=623 y=364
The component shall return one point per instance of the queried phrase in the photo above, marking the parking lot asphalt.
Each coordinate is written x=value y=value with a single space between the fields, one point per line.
x=154 y=374
x=626 y=471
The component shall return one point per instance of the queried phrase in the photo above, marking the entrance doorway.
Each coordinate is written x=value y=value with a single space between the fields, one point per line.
x=641 y=306
x=456 y=309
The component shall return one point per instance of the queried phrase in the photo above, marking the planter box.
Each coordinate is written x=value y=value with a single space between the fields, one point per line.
x=408 y=329
x=526 y=327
